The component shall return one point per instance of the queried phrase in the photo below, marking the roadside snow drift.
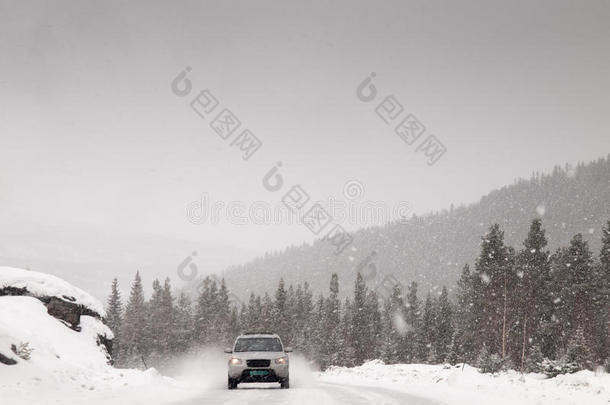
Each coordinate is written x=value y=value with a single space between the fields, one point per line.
x=457 y=385
x=47 y=360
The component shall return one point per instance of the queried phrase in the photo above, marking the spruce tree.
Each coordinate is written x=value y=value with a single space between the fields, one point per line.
x=427 y=332
x=443 y=326
x=577 y=295
x=222 y=316
x=359 y=321
x=374 y=326
x=416 y=350
x=279 y=322
x=395 y=328
x=114 y=316
x=494 y=267
x=155 y=333
x=602 y=300
x=168 y=319
x=534 y=309
x=183 y=324
x=346 y=347
x=330 y=324
x=133 y=327
x=578 y=352
x=467 y=340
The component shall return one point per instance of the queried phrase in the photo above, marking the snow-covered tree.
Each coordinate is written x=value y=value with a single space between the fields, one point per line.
x=133 y=327
x=114 y=316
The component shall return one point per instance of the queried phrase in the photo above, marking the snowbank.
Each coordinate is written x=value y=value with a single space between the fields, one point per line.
x=467 y=386
x=45 y=285
x=66 y=366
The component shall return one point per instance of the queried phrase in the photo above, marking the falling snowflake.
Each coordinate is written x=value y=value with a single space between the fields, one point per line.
x=400 y=324
x=485 y=278
x=520 y=274
x=540 y=210
x=556 y=300
x=591 y=231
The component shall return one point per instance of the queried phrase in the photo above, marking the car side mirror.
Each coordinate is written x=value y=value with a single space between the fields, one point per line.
x=228 y=351
x=288 y=349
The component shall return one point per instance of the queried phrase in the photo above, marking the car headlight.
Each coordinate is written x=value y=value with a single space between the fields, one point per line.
x=281 y=360
x=234 y=361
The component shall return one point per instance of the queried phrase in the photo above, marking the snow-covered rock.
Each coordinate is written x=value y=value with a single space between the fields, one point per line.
x=45 y=285
x=66 y=365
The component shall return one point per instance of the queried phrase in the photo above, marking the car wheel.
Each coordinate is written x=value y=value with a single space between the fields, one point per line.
x=231 y=383
x=285 y=383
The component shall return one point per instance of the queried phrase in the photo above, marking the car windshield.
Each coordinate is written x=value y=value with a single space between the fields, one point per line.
x=260 y=344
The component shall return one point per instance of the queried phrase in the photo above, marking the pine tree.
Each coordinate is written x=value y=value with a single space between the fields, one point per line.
x=428 y=333
x=346 y=347
x=168 y=319
x=114 y=316
x=317 y=339
x=305 y=325
x=578 y=351
x=154 y=333
x=395 y=328
x=330 y=325
x=279 y=322
x=534 y=309
x=222 y=316
x=374 y=326
x=415 y=347
x=467 y=340
x=133 y=327
x=602 y=300
x=494 y=267
x=359 y=321
x=533 y=360
x=290 y=316
x=183 y=324
x=577 y=295
x=267 y=313
x=443 y=326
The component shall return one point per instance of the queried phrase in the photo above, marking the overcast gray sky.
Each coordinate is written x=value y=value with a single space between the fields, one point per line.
x=93 y=137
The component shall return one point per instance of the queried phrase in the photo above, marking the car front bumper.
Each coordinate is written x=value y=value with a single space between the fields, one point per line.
x=274 y=373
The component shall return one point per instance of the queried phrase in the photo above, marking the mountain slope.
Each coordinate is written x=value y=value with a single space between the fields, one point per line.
x=432 y=249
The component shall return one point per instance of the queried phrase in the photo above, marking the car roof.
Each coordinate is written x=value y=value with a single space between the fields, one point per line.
x=257 y=335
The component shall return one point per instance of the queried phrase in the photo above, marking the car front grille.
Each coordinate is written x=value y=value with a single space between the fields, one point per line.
x=258 y=363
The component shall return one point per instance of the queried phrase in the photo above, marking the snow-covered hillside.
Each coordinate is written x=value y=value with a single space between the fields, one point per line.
x=459 y=385
x=64 y=365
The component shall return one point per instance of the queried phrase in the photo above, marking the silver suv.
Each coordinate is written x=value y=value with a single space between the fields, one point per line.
x=258 y=357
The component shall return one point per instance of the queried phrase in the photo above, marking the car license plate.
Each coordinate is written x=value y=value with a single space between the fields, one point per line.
x=259 y=372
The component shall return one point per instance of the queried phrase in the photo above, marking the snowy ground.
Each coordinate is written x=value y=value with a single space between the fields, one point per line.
x=66 y=366
x=466 y=386
x=69 y=367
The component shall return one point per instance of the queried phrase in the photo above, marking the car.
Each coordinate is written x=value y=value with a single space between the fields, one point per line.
x=258 y=357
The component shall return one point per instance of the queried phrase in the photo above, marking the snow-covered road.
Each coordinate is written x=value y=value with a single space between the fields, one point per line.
x=318 y=393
